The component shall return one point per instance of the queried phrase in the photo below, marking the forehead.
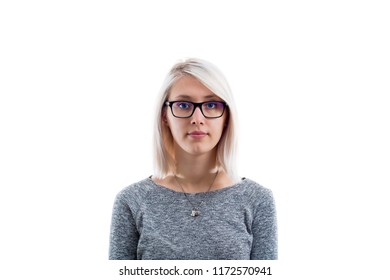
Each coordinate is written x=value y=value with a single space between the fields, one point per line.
x=189 y=88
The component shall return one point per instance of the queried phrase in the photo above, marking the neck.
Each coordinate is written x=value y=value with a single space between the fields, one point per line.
x=196 y=173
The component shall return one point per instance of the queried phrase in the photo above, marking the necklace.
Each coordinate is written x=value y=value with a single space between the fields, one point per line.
x=195 y=209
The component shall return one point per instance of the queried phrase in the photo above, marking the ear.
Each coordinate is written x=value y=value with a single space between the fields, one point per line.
x=164 y=118
x=226 y=119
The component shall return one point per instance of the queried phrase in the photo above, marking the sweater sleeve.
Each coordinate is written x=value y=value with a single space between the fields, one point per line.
x=123 y=235
x=264 y=228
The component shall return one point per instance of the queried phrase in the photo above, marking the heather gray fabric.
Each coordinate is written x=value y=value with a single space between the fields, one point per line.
x=150 y=221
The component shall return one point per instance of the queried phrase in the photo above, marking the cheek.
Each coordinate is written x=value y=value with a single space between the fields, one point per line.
x=169 y=121
x=218 y=128
x=175 y=126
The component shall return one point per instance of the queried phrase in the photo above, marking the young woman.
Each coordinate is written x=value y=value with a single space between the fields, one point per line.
x=195 y=206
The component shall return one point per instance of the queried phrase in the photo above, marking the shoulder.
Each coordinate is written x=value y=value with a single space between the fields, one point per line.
x=256 y=193
x=136 y=192
x=254 y=187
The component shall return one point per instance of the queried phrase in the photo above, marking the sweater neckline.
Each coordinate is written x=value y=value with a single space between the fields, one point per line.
x=198 y=193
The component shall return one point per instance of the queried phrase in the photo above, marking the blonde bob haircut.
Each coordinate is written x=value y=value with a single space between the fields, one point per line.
x=211 y=77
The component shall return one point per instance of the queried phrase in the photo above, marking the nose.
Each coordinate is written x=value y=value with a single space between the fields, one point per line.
x=197 y=117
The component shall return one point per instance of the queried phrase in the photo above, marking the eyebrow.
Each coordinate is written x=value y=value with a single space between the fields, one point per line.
x=184 y=96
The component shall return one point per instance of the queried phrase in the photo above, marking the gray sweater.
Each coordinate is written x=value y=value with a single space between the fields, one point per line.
x=150 y=221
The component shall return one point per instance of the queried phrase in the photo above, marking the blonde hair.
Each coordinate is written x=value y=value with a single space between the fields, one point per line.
x=211 y=77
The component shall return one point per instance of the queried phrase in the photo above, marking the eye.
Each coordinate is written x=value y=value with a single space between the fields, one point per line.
x=211 y=105
x=183 y=105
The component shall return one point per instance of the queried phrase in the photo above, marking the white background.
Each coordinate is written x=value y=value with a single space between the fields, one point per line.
x=78 y=83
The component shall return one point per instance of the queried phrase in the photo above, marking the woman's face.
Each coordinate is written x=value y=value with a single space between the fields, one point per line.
x=197 y=134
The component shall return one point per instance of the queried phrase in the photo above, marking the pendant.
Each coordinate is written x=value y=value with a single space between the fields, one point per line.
x=195 y=213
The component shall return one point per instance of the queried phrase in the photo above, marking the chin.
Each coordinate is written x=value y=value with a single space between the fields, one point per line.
x=199 y=150
x=195 y=148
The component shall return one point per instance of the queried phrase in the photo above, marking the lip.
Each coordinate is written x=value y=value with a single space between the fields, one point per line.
x=197 y=134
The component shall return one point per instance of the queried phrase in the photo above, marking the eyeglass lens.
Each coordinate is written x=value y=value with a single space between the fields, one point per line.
x=212 y=109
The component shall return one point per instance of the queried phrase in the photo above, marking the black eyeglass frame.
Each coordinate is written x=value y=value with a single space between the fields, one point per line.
x=196 y=105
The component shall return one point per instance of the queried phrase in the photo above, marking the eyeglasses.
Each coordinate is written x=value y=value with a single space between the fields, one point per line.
x=185 y=109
